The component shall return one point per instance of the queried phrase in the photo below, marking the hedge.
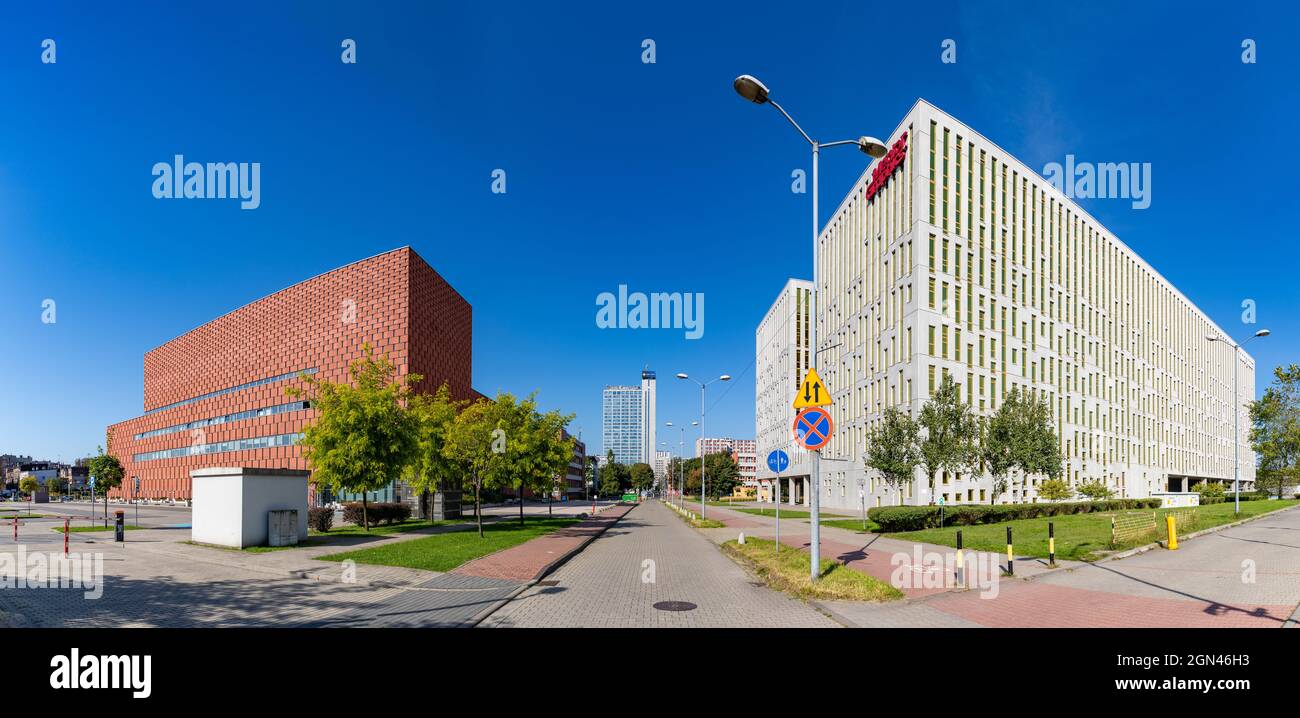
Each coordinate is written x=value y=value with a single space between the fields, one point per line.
x=914 y=518
x=387 y=513
x=320 y=518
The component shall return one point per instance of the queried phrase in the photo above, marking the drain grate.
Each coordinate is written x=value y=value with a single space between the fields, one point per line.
x=676 y=606
x=548 y=583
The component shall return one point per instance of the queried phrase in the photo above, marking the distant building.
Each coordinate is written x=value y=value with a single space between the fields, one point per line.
x=628 y=421
x=742 y=451
x=781 y=358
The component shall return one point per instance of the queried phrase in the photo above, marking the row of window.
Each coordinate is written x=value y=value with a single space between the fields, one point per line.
x=221 y=447
x=229 y=390
x=238 y=416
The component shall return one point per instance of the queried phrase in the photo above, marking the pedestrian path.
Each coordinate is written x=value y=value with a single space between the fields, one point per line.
x=529 y=560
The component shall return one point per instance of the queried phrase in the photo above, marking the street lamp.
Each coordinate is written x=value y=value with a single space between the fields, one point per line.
x=681 y=466
x=703 y=386
x=750 y=88
x=1236 y=437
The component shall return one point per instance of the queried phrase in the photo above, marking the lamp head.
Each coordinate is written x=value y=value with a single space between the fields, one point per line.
x=748 y=87
x=872 y=146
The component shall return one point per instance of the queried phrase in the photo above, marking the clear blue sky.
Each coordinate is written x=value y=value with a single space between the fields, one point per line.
x=652 y=175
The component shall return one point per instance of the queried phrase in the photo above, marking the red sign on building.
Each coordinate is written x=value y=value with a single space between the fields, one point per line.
x=885 y=168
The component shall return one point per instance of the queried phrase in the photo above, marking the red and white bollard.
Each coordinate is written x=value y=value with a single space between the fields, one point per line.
x=65 y=536
x=15 y=528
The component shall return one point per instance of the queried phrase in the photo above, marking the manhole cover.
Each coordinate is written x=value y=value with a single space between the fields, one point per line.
x=676 y=606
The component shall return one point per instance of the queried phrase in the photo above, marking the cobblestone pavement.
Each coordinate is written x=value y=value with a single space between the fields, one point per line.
x=528 y=560
x=604 y=585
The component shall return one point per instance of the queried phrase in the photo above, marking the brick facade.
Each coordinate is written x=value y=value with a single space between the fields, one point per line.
x=395 y=301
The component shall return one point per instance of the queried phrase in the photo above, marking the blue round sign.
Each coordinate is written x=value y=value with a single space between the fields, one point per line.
x=778 y=461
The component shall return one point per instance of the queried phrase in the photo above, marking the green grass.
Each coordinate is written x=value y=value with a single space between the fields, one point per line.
x=443 y=552
x=789 y=571
x=1080 y=537
x=387 y=529
x=11 y=517
x=84 y=529
x=851 y=524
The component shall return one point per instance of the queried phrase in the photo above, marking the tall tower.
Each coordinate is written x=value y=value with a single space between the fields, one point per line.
x=648 y=445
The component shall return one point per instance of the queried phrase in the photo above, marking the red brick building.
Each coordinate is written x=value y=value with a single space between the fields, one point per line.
x=215 y=396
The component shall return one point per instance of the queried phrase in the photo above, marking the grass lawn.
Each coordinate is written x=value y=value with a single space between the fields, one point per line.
x=850 y=524
x=1080 y=537
x=387 y=529
x=443 y=552
x=11 y=517
x=789 y=571
x=84 y=529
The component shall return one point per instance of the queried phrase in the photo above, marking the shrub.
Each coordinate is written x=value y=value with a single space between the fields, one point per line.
x=914 y=518
x=386 y=513
x=320 y=518
x=1210 y=489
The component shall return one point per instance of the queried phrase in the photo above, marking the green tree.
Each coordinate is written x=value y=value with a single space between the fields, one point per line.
x=642 y=476
x=54 y=485
x=1096 y=490
x=472 y=440
x=364 y=436
x=1275 y=432
x=107 y=470
x=539 y=451
x=1210 y=489
x=721 y=474
x=892 y=448
x=1019 y=437
x=950 y=433
x=1055 y=489
x=433 y=468
x=613 y=476
x=29 y=485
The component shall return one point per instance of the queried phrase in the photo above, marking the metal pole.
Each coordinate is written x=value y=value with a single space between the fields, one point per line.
x=1236 y=466
x=778 y=509
x=702 y=450
x=814 y=547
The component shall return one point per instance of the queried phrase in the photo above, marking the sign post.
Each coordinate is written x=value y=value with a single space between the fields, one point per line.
x=812 y=429
x=135 y=493
x=778 y=461
x=92 y=501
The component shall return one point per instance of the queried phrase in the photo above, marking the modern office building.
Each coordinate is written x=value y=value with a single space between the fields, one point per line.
x=951 y=257
x=742 y=451
x=628 y=421
x=781 y=359
x=663 y=461
x=215 y=396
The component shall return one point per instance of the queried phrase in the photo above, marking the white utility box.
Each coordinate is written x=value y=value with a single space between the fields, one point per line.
x=235 y=506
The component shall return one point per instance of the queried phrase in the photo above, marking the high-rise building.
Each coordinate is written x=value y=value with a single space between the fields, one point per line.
x=781 y=358
x=950 y=257
x=742 y=451
x=628 y=421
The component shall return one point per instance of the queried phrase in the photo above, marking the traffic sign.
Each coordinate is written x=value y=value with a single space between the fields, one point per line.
x=92 y=482
x=813 y=428
x=812 y=392
x=778 y=461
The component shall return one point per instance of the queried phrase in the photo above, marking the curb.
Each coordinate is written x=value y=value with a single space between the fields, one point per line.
x=1192 y=535
x=548 y=568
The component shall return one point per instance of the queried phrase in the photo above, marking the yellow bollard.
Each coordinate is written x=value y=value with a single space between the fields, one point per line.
x=1172 y=527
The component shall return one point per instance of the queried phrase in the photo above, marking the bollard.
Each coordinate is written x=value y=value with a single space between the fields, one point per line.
x=1172 y=526
x=15 y=528
x=1051 y=544
x=960 y=567
x=65 y=536
x=742 y=538
x=1011 y=563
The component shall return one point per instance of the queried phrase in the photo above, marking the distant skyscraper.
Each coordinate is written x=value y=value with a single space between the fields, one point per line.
x=628 y=421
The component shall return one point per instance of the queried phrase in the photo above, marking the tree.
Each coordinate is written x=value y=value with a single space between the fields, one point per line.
x=721 y=473
x=613 y=476
x=1210 y=489
x=364 y=436
x=107 y=470
x=1096 y=490
x=54 y=485
x=1055 y=489
x=539 y=451
x=29 y=485
x=433 y=468
x=642 y=476
x=950 y=433
x=1275 y=431
x=892 y=448
x=1019 y=436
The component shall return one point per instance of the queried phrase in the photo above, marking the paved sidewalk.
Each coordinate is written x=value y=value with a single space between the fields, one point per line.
x=653 y=556
x=529 y=560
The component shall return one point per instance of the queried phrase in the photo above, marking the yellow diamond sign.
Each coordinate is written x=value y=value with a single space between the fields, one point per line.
x=812 y=392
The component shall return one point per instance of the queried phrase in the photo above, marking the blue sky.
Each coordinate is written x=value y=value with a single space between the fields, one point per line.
x=618 y=172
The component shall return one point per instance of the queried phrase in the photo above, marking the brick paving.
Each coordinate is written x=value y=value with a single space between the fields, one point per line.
x=604 y=585
x=528 y=560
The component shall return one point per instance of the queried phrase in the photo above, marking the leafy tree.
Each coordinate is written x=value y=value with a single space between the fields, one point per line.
x=950 y=433
x=481 y=437
x=1275 y=431
x=433 y=468
x=538 y=451
x=29 y=485
x=364 y=437
x=614 y=477
x=892 y=448
x=1019 y=437
x=642 y=476
x=54 y=485
x=107 y=470
x=1055 y=489
x=721 y=474
x=1210 y=489
x=1096 y=490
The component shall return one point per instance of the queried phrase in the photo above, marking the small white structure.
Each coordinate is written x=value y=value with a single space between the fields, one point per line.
x=1177 y=499
x=232 y=506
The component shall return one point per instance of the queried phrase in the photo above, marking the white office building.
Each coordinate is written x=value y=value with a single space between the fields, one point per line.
x=781 y=358
x=949 y=256
x=628 y=421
